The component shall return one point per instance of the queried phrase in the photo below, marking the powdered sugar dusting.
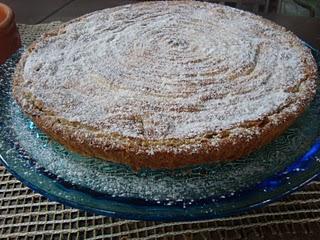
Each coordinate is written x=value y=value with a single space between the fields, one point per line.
x=166 y=70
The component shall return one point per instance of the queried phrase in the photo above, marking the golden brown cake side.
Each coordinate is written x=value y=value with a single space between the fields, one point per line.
x=169 y=151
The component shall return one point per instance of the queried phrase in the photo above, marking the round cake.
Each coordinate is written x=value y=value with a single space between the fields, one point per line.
x=166 y=84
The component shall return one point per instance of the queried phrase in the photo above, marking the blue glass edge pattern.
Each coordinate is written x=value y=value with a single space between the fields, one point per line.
x=270 y=184
x=151 y=217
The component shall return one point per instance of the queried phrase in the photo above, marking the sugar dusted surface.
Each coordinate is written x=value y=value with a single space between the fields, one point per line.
x=166 y=70
x=21 y=140
x=193 y=183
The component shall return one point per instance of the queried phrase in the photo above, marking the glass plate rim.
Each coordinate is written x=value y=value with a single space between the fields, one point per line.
x=114 y=214
x=170 y=218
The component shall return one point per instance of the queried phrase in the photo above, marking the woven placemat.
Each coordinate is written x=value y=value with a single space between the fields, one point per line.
x=27 y=215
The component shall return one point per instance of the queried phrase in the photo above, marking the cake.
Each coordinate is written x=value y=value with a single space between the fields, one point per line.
x=165 y=84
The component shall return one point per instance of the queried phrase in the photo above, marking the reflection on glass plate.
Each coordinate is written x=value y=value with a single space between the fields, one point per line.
x=191 y=193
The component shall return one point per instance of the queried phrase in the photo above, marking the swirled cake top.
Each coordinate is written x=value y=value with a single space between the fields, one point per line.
x=162 y=70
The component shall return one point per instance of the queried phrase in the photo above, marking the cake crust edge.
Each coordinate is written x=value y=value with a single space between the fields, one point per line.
x=135 y=152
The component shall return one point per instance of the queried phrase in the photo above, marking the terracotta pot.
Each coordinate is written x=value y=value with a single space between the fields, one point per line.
x=9 y=35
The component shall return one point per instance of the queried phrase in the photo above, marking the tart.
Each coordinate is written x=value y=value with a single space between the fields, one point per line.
x=166 y=84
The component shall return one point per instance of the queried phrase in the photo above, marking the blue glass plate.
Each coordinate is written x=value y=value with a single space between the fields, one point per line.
x=198 y=192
